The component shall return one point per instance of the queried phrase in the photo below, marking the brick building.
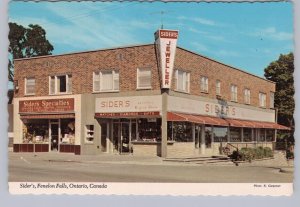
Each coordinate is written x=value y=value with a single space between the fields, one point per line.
x=152 y=99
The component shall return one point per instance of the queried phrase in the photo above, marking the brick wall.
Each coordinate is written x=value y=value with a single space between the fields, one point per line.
x=127 y=60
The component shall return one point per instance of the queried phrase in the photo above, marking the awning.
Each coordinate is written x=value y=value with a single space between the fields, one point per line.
x=171 y=116
x=47 y=116
x=200 y=119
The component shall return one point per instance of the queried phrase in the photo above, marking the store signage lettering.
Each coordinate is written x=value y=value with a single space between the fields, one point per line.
x=110 y=104
x=219 y=109
x=49 y=105
x=166 y=41
x=127 y=114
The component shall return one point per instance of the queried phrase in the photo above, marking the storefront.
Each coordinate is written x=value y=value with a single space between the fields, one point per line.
x=46 y=125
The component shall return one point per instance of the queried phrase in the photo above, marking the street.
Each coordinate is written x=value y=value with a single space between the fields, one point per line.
x=59 y=167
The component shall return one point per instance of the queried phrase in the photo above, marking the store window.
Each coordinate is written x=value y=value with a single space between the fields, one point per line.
x=233 y=90
x=235 y=134
x=182 y=132
x=270 y=135
x=60 y=84
x=144 y=78
x=247 y=134
x=272 y=98
x=67 y=128
x=35 y=131
x=208 y=136
x=262 y=100
x=261 y=135
x=204 y=84
x=220 y=134
x=149 y=129
x=89 y=133
x=29 y=86
x=182 y=80
x=218 y=87
x=247 y=96
x=106 y=81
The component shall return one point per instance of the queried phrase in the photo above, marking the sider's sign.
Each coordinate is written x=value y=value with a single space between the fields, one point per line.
x=166 y=41
x=47 y=105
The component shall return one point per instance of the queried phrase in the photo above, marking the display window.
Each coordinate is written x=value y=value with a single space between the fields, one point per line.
x=220 y=134
x=182 y=132
x=35 y=131
x=67 y=128
x=247 y=134
x=149 y=129
x=270 y=135
x=235 y=134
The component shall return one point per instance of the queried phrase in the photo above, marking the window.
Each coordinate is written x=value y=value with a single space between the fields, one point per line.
x=235 y=134
x=204 y=84
x=60 y=84
x=106 y=81
x=247 y=134
x=272 y=98
x=182 y=132
x=29 y=86
x=218 y=87
x=143 y=78
x=234 y=93
x=262 y=100
x=220 y=134
x=247 y=96
x=182 y=81
x=89 y=133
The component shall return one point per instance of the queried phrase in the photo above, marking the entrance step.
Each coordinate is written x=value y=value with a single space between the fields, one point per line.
x=202 y=160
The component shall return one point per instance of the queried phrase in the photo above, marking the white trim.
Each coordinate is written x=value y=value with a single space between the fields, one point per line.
x=56 y=92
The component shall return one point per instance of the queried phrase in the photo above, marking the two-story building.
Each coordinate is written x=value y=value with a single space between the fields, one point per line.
x=154 y=99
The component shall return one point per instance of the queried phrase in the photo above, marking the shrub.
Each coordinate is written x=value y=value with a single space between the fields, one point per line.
x=249 y=154
x=268 y=152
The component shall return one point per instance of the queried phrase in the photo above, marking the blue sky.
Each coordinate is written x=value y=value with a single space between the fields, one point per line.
x=245 y=35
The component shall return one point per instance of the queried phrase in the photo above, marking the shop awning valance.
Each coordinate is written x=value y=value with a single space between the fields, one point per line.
x=47 y=116
x=174 y=116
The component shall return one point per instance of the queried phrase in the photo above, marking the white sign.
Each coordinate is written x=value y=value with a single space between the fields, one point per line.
x=166 y=41
x=223 y=110
x=128 y=104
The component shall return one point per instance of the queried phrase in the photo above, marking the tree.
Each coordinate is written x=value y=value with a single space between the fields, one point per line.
x=26 y=42
x=281 y=71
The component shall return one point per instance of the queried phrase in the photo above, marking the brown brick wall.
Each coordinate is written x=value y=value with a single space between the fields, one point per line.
x=82 y=65
x=200 y=66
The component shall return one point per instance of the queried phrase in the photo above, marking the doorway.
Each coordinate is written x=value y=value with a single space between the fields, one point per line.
x=54 y=136
x=122 y=131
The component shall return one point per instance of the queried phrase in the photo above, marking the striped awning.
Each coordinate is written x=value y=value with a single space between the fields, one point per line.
x=47 y=116
x=200 y=119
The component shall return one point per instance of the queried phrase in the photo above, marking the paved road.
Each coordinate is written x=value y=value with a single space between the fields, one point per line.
x=71 y=168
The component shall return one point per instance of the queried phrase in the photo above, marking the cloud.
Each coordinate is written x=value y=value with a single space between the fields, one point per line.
x=272 y=33
x=228 y=53
x=200 y=47
x=198 y=20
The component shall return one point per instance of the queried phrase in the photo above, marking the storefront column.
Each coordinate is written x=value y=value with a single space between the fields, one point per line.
x=111 y=142
x=107 y=138
x=228 y=134
x=164 y=124
x=275 y=135
x=203 y=140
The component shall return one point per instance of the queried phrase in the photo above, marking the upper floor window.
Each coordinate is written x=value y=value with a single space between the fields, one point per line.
x=105 y=81
x=143 y=78
x=60 y=84
x=262 y=99
x=233 y=90
x=218 y=87
x=204 y=84
x=29 y=86
x=247 y=96
x=182 y=80
x=272 y=99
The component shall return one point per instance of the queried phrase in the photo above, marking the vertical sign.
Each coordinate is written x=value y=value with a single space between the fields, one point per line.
x=166 y=41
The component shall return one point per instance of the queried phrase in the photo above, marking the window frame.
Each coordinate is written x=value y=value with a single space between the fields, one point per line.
x=68 y=87
x=272 y=100
x=264 y=101
x=100 y=73
x=186 y=83
x=233 y=93
x=25 y=88
x=204 y=84
x=247 y=96
x=218 y=88
x=137 y=78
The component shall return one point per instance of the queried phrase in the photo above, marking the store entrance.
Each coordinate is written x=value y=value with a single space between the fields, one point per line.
x=122 y=135
x=54 y=134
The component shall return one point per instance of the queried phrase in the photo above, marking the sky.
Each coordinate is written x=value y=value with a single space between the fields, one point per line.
x=248 y=36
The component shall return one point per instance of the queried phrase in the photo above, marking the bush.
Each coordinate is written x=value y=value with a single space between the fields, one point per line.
x=249 y=154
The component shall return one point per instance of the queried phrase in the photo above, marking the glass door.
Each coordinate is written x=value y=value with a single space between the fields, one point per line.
x=54 y=133
x=124 y=141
